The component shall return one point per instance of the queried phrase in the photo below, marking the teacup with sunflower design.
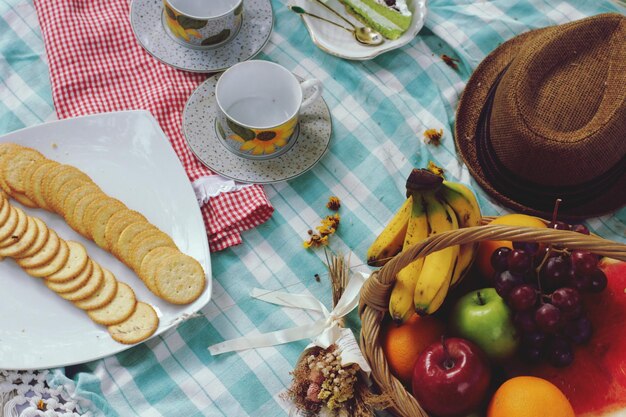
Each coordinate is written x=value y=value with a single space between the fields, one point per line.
x=202 y=24
x=260 y=103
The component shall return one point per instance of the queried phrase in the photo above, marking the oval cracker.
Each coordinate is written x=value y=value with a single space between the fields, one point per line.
x=103 y=296
x=138 y=327
x=76 y=262
x=118 y=310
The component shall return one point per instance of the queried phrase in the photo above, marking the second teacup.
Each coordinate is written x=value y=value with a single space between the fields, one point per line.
x=260 y=102
x=202 y=24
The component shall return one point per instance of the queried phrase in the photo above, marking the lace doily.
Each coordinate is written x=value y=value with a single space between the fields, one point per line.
x=27 y=394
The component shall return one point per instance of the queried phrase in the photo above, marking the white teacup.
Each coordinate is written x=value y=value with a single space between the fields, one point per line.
x=203 y=24
x=260 y=102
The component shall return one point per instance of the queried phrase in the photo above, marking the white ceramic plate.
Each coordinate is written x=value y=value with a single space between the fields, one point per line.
x=339 y=42
x=129 y=157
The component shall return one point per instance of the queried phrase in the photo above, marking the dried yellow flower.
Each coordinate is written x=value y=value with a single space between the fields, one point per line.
x=433 y=136
x=329 y=225
x=333 y=203
x=315 y=241
x=437 y=170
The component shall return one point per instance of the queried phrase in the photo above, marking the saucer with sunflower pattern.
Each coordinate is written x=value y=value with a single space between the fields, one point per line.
x=203 y=128
x=147 y=22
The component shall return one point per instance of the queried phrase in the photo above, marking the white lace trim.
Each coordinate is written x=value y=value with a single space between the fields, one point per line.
x=27 y=394
x=214 y=185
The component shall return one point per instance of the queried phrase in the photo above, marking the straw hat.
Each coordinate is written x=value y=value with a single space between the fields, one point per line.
x=544 y=117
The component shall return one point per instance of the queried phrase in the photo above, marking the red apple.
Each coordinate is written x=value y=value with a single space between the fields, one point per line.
x=451 y=378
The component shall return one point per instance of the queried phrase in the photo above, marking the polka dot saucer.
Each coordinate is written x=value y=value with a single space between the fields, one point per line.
x=200 y=131
x=146 y=20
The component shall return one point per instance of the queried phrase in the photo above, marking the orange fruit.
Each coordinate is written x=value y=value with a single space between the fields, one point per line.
x=402 y=344
x=487 y=247
x=529 y=396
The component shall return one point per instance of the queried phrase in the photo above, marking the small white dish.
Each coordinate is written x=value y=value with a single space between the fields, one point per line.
x=130 y=158
x=146 y=19
x=341 y=43
x=201 y=119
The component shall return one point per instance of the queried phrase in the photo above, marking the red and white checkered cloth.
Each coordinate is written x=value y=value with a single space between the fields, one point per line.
x=97 y=65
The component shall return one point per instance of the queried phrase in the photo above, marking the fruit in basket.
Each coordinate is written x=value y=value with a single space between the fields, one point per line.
x=437 y=206
x=402 y=344
x=483 y=317
x=464 y=204
x=595 y=382
x=389 y=242
x=451 y=377
x=487 y=247
x=545 y=289
x=435 y=277
x=527 y=396
x=401 y=299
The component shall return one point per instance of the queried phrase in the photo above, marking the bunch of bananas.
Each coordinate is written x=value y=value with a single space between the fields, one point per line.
x=433 y=206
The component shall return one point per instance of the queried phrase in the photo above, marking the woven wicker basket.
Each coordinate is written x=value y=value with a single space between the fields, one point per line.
x=374 y=302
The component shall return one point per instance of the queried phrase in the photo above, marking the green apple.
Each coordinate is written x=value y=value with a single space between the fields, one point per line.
x=483 y=317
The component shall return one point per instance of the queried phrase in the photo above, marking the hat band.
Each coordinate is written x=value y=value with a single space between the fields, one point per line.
x=528 y=193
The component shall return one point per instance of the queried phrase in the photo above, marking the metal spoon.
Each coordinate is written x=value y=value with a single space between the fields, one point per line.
x=363 y=34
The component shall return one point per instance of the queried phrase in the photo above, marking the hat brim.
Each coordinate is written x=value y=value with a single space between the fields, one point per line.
x=470 y=106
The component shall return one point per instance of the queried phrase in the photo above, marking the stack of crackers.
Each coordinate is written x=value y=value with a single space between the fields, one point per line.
x=35 y=181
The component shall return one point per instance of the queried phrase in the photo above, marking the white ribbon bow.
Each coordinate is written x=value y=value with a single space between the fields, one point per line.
x=324 y=331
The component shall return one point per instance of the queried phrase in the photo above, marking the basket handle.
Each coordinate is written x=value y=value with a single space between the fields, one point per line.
x=377 y=290
x=569 y=239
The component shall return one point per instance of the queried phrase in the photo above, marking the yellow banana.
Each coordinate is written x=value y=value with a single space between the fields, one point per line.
x=438 y=267
x=389 y=243
x=401 y=299
x=464 y=204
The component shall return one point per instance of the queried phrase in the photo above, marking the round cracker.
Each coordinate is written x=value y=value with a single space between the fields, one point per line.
x=103 y=296
x=61 y=175
x=10 y=224
x=20 y=228
x=92 y=208
x=121 y=248
x=70 y=203
x=5 y=149
x=68 y=191
x=117 y=223
x=96 y=278
x=145 y=242
x=74 y=265
x=147 y=269
x=58 y=197
x=118 y=310
x=23 y=199
x=33 y=187
x=179 y=279
x=5 y=211
x=22 y=242
x=17 y=162
x=52 y=266
x=52 y=173
x=138 y=327
x=44 y=255
x=75 y=217
x=73 y=284
x=42 y=237
x=101 y=219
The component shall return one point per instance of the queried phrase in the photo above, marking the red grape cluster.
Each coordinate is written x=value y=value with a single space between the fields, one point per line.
x=543 y=287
